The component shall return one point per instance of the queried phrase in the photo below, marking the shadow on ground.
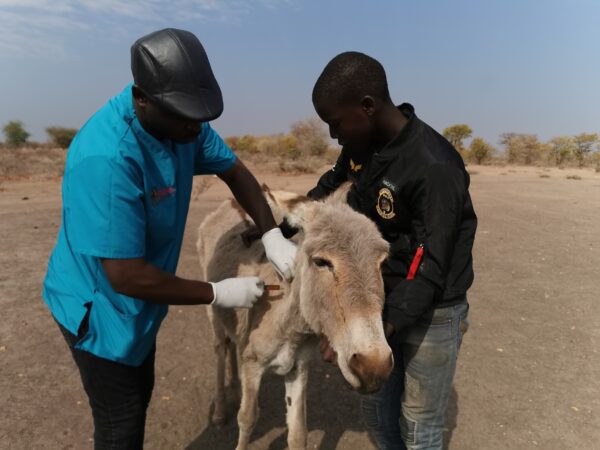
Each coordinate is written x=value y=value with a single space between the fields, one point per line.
x=332 y=408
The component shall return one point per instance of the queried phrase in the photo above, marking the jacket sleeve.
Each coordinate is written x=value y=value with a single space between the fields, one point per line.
x=436 y=202
x=332 y=179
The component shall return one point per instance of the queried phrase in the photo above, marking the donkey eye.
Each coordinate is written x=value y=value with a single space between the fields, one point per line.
x=322 y=262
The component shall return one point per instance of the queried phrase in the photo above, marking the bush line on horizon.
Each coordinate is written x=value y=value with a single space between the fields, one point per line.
x=306 y=147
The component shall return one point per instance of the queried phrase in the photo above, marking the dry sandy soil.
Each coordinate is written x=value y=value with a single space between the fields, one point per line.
x=529 y=370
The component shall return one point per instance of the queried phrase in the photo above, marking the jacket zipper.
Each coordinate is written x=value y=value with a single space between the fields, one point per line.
x=415 y=263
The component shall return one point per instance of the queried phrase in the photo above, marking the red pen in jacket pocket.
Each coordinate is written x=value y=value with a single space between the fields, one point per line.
x=415 y=263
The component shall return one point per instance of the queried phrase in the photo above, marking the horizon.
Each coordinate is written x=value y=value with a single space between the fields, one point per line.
x=501 y=67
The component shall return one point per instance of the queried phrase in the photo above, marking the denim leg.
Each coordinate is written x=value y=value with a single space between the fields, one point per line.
x=430 y=349
x=118 y=394
x=381 y=411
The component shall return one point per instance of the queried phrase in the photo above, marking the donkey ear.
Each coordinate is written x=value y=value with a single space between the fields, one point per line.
x=297 y=209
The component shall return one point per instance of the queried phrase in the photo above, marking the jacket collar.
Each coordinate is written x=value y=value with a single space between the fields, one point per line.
x=407 y=133
x=382 y=159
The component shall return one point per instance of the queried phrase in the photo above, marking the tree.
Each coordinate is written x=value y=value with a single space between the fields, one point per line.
x=480 y=150
x=524 y=148
x=583 y=145
x=505 y=140
x=456 y=134
x=561 y=148
x=15 y=133
x=61 y=137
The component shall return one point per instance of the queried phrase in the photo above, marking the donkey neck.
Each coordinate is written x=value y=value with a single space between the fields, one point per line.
x=287 y=312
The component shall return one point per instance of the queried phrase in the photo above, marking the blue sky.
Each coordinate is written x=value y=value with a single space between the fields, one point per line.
x=499 y=65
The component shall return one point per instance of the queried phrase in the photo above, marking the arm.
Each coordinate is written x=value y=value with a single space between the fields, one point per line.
x=139 y=279
x=249 y=195
x=437 y=204
x=214 y=156
x=279 y=251
x=106 y=219
x=136 y=277
x=332 y=179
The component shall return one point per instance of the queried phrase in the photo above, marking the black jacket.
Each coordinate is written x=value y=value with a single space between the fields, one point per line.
x=416 y=191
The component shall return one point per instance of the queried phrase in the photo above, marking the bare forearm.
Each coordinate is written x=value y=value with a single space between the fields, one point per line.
x=252 y=200
x=249 y=195
x=142 y=280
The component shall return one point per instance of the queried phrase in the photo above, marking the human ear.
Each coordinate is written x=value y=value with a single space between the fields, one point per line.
x=368 y=105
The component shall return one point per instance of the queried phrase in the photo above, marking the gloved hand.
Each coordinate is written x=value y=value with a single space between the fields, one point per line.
x=239 y=292
x=281 y=252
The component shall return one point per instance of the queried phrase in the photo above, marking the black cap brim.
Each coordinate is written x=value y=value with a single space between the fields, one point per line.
x=204 y=106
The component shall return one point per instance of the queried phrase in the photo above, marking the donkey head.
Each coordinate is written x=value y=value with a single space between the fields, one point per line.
x=338 y=282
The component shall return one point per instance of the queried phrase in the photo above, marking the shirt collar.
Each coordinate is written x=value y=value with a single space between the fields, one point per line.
x=128 y=110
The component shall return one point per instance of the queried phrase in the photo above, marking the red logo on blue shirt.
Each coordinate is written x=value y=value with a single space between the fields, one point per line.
x=160 y=194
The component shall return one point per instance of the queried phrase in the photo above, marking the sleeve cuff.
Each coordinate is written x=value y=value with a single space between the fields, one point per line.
x=287 y=230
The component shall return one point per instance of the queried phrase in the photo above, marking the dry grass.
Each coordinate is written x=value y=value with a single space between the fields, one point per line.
x=31 y=162
x=49 y=162
x=201 y=184
x=282 y=163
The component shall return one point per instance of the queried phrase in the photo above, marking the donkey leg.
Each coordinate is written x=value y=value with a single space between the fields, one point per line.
x=220 y=343
x=295 y=397
x=251 y=372
x=234 y=381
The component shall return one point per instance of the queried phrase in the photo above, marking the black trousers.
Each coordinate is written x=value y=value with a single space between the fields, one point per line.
x=118 y=394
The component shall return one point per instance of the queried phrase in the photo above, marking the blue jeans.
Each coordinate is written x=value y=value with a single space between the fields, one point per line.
x=408 y=413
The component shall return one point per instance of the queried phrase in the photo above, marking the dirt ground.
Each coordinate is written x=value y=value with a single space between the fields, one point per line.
x=528 y=374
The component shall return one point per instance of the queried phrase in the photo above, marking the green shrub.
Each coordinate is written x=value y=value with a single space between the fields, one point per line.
x=15 y=134
x=61 y=137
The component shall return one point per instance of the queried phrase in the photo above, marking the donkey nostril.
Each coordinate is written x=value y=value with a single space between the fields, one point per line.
x=355 y=364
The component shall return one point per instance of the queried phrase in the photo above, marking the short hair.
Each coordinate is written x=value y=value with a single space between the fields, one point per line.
x=349 y=77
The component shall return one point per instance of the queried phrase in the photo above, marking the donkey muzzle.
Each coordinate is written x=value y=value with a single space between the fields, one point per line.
x=371 y=369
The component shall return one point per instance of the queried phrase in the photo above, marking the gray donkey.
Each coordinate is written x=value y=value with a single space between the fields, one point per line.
x=337 y=291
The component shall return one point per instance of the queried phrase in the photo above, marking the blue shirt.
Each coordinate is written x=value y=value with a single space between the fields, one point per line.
x=125 y=195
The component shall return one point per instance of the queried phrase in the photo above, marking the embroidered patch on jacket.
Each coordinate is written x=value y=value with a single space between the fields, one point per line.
x=385 y=204
x=355 y=167
x=160 y=194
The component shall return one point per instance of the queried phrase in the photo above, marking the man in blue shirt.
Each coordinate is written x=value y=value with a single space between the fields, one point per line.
x=126 y=193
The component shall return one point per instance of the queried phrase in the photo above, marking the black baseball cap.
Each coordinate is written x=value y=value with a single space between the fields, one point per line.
x=171 y=67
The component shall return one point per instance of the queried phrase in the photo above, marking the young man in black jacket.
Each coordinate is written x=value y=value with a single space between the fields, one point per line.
x=413 y=184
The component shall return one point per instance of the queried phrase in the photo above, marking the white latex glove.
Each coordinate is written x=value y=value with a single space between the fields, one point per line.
x=281 y=252
x=239 y=292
